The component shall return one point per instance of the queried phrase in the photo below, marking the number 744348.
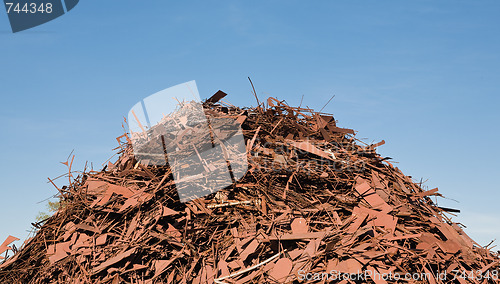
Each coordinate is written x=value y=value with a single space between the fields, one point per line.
x=31 y=8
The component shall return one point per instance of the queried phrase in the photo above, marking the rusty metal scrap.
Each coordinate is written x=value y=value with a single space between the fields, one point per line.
x=314 y=199
x=5 y=245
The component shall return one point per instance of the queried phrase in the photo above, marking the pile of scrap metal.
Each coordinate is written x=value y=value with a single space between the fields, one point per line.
x=316 y=205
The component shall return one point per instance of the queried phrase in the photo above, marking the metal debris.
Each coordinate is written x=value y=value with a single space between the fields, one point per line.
x=314 y=200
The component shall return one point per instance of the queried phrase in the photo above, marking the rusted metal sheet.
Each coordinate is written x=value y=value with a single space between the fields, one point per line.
x=5 y=245
x=216 y=97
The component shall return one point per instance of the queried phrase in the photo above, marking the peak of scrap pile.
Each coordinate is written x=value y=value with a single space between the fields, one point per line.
x=315 y=206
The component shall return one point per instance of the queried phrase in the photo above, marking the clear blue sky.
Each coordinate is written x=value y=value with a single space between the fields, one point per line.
x=423 y=75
